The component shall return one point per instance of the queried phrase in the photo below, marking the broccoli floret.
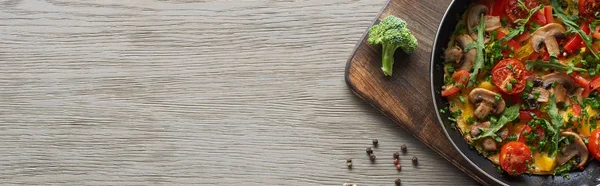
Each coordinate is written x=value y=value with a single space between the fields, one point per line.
x=391 y=33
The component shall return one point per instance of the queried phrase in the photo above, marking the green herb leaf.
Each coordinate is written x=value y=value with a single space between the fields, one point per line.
x=479 y=56
x=509 y=114
x=557 y=122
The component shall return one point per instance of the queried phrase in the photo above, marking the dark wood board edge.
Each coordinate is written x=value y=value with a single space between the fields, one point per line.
x=460 y=163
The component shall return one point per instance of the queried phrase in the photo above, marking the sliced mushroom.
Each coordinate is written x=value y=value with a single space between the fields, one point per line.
x=453 y=55
x=488 y=144
x=469 y=56
x=503 y=133
x=491 y=22
x=547 y=35
x=576 y=148
x=562 y=87
x=474 y=15
x=542 y=94
x=476 y=129
x=486 y=103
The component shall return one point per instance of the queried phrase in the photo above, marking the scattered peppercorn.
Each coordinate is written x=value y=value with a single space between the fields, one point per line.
x=349 y=165
x=372 y=157
x=415 y=160
x=369 y=150
x=349 y=184
x=398 y=167
x=403 y=148
x=396 y=155
x=396 y=161
x=348 y=160
x=375 y=142
x=398 y=181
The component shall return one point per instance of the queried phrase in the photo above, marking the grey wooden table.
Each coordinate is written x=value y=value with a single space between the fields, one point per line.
x=173 y=92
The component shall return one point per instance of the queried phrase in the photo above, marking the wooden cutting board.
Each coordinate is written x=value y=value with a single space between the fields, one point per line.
x=406 y=96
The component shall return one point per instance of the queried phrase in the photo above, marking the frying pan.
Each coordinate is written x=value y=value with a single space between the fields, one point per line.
x=591 y=174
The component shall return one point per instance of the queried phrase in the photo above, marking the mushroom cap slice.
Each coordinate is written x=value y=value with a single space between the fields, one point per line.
x=468 y=59
x=453 y=54
x=474 y=14
x=476 y=128
x=577 y=148
x=486 y=103
x=547 y=35
x=492 y=23
x=563 y=86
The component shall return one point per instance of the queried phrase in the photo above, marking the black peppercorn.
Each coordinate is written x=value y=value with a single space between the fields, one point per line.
x=398 y=181
x=348 y=160
x=369 y=150
x=396 y=161
x=375 y=142
x=415 y=160
x=372 y=157
x=403 y=148
x=396 y=155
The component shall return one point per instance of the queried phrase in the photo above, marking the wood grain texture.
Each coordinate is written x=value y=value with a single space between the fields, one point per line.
x=406 y=96
x=183 y=92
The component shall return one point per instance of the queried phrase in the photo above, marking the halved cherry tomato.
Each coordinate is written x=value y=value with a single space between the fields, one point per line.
x=594 y=144
x=527 y=130
x=514 y=11
x=575 y=42
x=576 y=110
x=548 y=14
x=510 y=71
x=497 y=7
x=587 y=8
x=460 y=77
x=514 y=157
x=525 y=115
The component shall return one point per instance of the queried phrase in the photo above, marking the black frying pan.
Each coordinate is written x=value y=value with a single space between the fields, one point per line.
x=590 y=176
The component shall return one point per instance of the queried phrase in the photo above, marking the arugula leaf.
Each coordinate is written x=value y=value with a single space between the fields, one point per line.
x=557 y=121
x=559 y=12
x=520 y=28
x=553 y=64
x=479 y=56
x=509 y=114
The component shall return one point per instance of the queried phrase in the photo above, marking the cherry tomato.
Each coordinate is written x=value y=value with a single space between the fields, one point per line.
x=460 y=77
x=510 y=76
x=594 y=143
x=514 y=157
x=587 y=8
x=594 y=84
x=527 y=130
x=514 y=11
x=497 y=8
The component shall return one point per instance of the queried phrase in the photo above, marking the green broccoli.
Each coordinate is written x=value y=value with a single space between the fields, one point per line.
x=391 y=33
